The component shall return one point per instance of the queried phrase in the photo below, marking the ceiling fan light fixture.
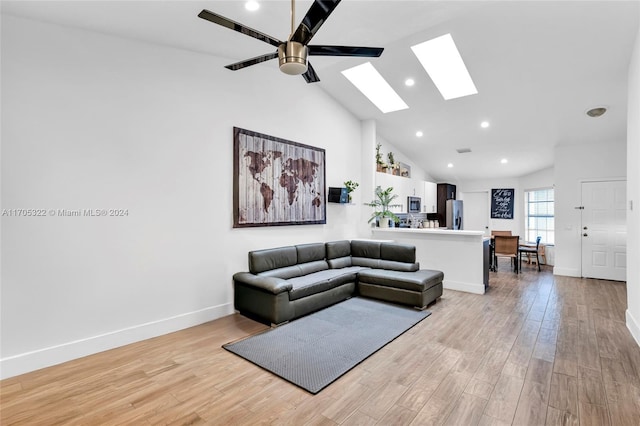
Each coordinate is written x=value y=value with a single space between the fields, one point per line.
x=292 y=57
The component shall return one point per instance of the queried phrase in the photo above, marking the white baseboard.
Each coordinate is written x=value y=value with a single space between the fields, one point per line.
x=46 y=357
x=634 y=326
x=460 y=286
x=567 y=272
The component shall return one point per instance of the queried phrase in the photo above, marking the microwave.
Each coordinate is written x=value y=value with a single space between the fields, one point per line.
x=414 y=205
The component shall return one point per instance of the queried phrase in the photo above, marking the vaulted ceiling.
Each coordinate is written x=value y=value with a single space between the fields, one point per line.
x=538 y=66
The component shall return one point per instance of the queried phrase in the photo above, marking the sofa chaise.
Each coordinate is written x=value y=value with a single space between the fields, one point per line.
x=285 y=283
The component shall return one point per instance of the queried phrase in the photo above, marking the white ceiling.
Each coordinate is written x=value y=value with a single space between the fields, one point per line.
x=537 y=65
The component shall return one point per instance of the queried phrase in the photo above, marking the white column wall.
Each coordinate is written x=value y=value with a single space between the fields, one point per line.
x=633 y=194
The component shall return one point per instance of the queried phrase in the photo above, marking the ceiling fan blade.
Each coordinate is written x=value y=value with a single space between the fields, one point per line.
x=310 y=76
x=252 y=61
x=370 y=52
x=236 y=26
x=313 y=20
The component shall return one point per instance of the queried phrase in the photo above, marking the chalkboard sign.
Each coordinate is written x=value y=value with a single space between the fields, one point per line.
x=502 y=203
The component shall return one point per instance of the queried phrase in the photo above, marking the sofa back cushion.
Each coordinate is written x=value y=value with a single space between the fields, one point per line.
x=337 y=249
x=398 y=252
x=274 y=258
x=288 y=262
x=310 y=252
x=377 y=255
x=339 y=254
x=370 y=249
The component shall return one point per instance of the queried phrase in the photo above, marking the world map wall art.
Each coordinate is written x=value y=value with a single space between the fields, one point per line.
x=276 y=181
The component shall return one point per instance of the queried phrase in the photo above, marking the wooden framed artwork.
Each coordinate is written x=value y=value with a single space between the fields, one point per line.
x=502 y=203
x=276 y=181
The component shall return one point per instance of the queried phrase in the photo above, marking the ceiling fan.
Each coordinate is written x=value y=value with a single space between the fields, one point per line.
x=292 y=54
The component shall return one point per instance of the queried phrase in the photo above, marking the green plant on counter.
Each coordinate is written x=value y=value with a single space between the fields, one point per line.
x=382 y=203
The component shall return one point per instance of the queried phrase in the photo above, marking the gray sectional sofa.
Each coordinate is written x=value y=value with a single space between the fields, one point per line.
x=285 y=283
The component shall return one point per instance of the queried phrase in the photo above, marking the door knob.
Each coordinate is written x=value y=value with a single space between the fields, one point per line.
x=585 y=234
x=585 y=228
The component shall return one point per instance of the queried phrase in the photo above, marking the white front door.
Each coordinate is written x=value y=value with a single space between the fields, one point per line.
x=604 y=230
x=475 y=214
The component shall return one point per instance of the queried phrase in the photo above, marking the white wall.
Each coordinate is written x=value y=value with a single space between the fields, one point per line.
x=575 y=164
x=417 y=172
x=537 y=180
x=633 y=194
x=91 y=121
x=515 y=225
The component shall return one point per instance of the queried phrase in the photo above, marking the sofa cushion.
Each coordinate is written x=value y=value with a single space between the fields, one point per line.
x=310 y=252
x=265 y=260
x=399 y=266
x=311 y=267
x=398 y=252
x=320 y=281
x=365 y=261
x=337 y=249
x=340 y=262
x=296 y=270
x=284 y=273
x=415 y=281
x=384 y=264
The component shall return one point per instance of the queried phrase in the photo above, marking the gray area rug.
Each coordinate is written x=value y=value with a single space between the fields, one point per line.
x=313 y=351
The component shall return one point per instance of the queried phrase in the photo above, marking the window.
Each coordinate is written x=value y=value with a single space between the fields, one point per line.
x=540 y=215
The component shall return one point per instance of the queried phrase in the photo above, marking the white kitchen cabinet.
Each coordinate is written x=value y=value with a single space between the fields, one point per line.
x=404 y=187
x=430 y=199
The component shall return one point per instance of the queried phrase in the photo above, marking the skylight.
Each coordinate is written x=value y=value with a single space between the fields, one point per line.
x=442 y=61
x=369 y=81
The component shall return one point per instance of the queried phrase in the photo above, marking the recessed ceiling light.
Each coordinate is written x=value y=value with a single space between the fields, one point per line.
x=504 y=161
x=450 y=165
x=369 y=81
x=252 y=5
x=596 y=112
x=419 y=133
x=442 y=61
x=409 y=82
x=484 y=124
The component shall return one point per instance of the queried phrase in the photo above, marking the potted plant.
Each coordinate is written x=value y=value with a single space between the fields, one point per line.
x=392 y=162
x=351 y=186
x=381 y=204
x=379 y=162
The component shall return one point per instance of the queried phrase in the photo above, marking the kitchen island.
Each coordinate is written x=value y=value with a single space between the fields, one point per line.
x=463 y=256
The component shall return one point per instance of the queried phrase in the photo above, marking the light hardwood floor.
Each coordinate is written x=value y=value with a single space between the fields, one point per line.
x=536 y=349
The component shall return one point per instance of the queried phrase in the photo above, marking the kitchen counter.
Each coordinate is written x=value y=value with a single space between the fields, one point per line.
x=462 y=255
x=442 y=231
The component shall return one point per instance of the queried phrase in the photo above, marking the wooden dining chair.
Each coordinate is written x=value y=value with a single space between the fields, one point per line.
x=506 y=246
x=529 y=251
x=503 y=233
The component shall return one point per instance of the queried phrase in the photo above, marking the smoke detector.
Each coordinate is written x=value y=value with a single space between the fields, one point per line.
x=596 y=111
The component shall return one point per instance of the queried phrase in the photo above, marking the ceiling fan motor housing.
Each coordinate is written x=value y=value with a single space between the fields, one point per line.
x=293 y=58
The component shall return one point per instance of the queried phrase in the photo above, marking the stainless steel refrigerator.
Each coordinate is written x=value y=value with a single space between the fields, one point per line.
x=454 y=214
